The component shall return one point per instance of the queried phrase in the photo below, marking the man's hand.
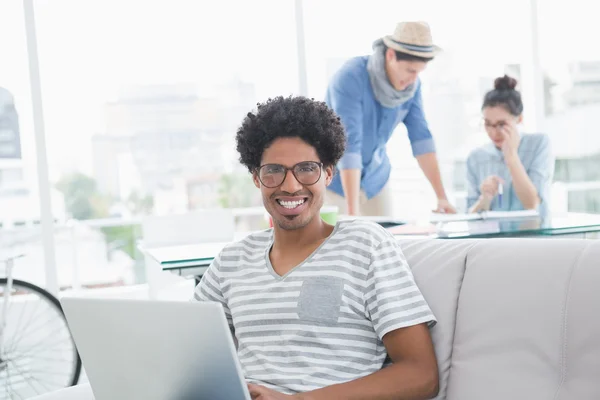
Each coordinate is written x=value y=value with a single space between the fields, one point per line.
x=430 y=167
x=444 y=206
x=489 y=187
x=258 y=392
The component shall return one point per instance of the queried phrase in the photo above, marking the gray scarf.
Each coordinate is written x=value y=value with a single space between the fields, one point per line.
x=384 y=92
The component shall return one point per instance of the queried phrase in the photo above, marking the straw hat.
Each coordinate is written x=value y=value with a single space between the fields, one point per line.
x=412 y=38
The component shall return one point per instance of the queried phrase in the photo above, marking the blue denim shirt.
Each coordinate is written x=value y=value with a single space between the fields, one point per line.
x=536 y=155
x=369 y=126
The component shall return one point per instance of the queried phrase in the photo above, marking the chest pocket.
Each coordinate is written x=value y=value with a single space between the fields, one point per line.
x=320 y=299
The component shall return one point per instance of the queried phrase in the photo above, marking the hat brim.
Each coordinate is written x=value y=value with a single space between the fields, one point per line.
x=431 y=52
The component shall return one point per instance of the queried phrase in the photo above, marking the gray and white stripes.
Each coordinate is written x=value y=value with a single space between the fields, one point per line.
x=324 y=321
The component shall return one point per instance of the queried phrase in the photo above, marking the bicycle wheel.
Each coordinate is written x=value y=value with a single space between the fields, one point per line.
x=37 y=353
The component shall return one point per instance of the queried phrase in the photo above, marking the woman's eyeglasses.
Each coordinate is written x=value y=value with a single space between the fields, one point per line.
x=497 y=125
x=273 y=175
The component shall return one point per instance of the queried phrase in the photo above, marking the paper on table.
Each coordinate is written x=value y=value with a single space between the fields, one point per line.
x=441 y=217
x=412 y=229
x=510 y=214
x=384 y=221
x=438 y=217
x=379 y=218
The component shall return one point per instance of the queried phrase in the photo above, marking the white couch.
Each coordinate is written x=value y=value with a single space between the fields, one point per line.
x=518 y=318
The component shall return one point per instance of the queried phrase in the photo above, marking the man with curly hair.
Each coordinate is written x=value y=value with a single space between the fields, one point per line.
x=373 y=95
x=316 y=309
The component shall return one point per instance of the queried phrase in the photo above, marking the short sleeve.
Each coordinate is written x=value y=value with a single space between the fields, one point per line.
x=392 y=297
x=541 y=171
x=419 y=134
x=209 y=288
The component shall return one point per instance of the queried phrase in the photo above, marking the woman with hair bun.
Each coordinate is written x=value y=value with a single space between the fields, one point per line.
x=515 y=170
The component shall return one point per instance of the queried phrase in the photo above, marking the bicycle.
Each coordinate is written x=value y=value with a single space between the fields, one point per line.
x=37 y=352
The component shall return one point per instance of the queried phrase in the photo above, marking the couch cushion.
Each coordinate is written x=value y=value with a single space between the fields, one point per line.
x=512 y=336
x=438 y=267
x=580 y=350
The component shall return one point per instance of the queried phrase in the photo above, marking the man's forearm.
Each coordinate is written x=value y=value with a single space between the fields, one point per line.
x=351 y=185
x=430 y=167
x=399 y=381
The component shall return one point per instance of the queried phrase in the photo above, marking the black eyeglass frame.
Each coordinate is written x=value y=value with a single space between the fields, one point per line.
x=285 y=171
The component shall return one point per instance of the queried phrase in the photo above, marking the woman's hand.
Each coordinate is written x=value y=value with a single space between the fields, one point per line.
x=510 y=144
x=489 y=187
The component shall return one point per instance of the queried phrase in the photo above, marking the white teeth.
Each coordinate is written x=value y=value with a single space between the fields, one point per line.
x=290 y=204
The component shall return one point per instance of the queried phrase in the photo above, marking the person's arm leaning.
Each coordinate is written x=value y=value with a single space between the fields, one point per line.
x=488 y=190
x=402 y=325
x=482 y=204
x=351 y=185
x=524 y=187
x=431 y=169
x=412 y=376
x=345 y=98
x=423 y=149
x=532 y=187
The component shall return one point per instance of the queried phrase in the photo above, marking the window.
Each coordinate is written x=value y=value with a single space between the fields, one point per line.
x=142 y=101
x=19 y=201
x=571 y=66
x=479 y=44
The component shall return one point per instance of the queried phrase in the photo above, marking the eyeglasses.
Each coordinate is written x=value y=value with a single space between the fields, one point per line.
x=273 y=175
x=497 y=125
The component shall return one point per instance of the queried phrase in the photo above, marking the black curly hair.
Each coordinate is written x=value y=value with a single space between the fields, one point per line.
x=294 y=116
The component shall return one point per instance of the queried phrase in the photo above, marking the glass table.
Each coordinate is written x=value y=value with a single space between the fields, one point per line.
x=563 y=225
x=193 y=260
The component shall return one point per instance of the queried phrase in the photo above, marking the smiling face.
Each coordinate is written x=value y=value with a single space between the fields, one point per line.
x=495 y=119
x=293 y=205
x=402 y=73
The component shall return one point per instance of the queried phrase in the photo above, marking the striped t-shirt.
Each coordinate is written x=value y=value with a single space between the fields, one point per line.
x=323 y=322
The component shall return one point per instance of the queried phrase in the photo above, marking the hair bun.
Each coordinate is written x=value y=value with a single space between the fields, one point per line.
x=505 y=83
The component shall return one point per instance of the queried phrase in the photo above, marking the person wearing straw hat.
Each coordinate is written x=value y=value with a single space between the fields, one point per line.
x=372 y=95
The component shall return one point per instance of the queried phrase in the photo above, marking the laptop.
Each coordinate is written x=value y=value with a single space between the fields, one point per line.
x=155 y=350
